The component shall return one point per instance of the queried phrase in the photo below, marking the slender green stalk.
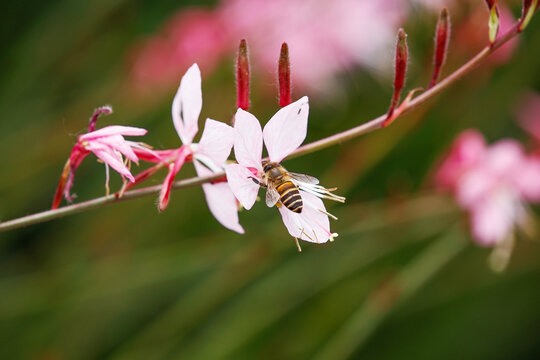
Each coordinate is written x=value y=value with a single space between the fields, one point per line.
x=405 y=284
x=303 y=150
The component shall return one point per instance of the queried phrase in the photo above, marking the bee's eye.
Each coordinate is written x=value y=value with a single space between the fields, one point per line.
x=267 y=167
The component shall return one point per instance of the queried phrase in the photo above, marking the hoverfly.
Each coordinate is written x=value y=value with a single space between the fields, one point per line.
x=283 y=186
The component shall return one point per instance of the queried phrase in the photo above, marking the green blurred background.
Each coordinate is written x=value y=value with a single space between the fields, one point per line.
x=126 y=282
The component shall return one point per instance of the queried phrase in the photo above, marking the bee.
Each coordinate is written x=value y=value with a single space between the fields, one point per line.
x=283 y=186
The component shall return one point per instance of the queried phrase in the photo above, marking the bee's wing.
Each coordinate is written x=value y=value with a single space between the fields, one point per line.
x=304 y=178
x=272 y=196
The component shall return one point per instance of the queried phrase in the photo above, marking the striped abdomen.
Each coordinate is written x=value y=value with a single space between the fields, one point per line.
x=290 y=196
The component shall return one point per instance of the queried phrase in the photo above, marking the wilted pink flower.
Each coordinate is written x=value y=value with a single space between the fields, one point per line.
x=283 y=133
x=108 y=144
x=209 y=155
x=493 y=183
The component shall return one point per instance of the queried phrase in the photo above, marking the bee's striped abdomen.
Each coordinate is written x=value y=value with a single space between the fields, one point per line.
x=290 y=196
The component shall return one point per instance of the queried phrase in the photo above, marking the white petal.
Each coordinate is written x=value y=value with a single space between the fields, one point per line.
x=187 y=105
x=216 y=141
x=286 y=130
x=248 y=140
x=221 y=201
x=492 y=220
x=311 y=224
x=242 y=186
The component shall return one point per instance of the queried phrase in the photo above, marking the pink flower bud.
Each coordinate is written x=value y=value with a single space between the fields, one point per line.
x=242 y=76
x=529 y=8
x=493 y=20
x=284 y=70
x=442 y=36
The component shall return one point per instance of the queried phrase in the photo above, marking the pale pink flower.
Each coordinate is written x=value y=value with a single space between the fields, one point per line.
x=283 y=133
x=494 y=183
x=209 y=155
x=108 y=144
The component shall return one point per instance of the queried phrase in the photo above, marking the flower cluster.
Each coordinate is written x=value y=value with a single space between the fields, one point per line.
x=307 y=219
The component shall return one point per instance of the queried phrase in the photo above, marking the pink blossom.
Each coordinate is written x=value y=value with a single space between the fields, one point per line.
x=493 y=183
x=209 y=155
x=283 y=133
x=108 y=144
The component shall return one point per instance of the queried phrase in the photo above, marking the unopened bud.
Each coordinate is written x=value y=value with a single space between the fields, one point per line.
x=105 y=110
x=529 y=8
x=284 y=74
x=442 y=37
x=493 y=22
x=242 y=76
x=402 y=57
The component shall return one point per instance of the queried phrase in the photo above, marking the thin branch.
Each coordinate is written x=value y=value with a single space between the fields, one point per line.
x=303 y=150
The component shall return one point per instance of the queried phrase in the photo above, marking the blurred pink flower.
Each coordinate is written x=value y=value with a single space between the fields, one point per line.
x=209 y=155
x=108 y=144
x=191 y=35
x=325 y=37
x=493 y=183
x=283 y=133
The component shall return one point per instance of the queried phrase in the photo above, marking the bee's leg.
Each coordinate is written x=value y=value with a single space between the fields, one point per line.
x=256 y=181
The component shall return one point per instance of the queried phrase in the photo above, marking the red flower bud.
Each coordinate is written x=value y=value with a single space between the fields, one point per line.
x=402 y=57
x=284 y=73
x=242 y=76
x=442 y=36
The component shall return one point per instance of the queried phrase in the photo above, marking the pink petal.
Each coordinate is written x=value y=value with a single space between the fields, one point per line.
x=466 y=151
x=221 y=201
x=311 y=224
x=118 y=143
x=146 y=154
x=493 y=219
x=187 y=105
x=527 y=179
x=111 y=158
x=504 y=157
x=216 y=141
x=474 y=186
x=242 y=186
x=165 y=193
x=286 y=130
x=113 y=130
x=247 y=140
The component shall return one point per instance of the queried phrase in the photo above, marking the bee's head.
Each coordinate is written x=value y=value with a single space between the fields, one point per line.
x=271 y=169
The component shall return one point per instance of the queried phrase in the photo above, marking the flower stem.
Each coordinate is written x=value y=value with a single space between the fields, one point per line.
x=392 y=293
x=365 y=128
